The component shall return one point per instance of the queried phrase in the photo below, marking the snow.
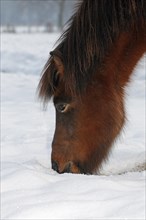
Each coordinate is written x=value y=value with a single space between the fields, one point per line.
x=30 y=189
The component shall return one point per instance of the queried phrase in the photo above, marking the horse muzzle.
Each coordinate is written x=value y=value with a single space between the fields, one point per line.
x=69 y=167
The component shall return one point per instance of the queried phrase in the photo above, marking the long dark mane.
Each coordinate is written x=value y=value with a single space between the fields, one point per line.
x=91 y=32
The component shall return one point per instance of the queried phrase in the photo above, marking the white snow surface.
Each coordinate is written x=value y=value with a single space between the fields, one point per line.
x=30 y=189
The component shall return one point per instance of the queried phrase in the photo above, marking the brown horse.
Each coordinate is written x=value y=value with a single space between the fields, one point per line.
x=86 y=75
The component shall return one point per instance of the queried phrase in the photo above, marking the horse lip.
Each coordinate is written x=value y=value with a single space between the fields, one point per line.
x=55 y=166
x=70 y=167
x=67 y=168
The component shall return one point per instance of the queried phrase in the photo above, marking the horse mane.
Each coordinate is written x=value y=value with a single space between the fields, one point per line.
x=91 y=32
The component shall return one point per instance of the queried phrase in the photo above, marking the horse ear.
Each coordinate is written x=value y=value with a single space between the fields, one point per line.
x=58 y=63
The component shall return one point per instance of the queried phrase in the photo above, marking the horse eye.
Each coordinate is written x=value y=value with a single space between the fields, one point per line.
x=62 y=107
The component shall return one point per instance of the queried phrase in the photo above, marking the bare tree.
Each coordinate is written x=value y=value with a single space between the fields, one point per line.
x=61 y=6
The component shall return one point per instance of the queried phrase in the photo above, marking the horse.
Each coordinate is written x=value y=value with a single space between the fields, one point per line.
x=86 y=75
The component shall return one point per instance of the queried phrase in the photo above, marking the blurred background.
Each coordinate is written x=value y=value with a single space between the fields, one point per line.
x=35 y=15
x=29 y=30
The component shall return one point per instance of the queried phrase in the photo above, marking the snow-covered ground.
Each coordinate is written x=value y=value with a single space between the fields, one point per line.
x=30 y=189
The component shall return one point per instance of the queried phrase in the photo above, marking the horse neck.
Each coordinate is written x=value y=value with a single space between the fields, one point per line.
x=123 y=57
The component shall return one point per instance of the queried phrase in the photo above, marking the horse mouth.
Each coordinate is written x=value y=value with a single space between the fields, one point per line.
x=70 y=167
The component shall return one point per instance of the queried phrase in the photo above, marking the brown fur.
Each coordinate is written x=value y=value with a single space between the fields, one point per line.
x=89 y=70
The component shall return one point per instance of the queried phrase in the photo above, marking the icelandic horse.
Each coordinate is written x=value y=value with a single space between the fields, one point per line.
x=86 y=76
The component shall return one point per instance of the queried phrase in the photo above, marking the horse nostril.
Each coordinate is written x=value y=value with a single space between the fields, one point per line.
x=54 y=166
